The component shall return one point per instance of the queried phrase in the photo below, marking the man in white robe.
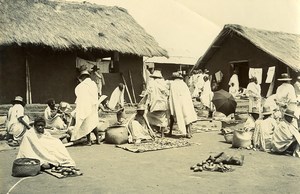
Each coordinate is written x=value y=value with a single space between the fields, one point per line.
x=286 y=137
x=39 y=144
x=86 y=109
x=285 y=93
x=234 y=84
x=181 y=106
x=253 y=91
x=157 y=101
x=53 y=117
x=206 y=93
x=17 y=122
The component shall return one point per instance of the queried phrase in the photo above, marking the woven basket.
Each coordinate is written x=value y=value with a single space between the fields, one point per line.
x=25 y=167
x=116 y=135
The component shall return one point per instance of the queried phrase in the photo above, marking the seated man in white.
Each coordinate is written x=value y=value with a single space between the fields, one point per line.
x=39 y=144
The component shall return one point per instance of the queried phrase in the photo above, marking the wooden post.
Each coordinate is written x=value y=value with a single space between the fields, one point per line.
x=28 y=85
x=133 y=93
x=126 y=88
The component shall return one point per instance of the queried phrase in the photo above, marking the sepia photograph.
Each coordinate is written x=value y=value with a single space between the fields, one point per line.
x=149 y=96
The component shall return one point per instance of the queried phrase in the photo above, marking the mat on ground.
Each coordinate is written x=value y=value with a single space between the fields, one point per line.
x=158 y=144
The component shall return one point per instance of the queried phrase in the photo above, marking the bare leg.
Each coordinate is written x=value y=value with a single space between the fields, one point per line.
x=162 y=131
x=95 y=131
x=89 y=142
x=188 y=131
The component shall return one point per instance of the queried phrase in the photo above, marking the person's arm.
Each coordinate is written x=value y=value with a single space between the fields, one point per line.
x=20 y=119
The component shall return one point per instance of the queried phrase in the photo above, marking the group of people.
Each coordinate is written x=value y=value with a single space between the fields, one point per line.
x=168 y=102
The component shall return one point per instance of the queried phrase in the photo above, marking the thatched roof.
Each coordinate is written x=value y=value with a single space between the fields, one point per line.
x=283 y=46
x=68 y=25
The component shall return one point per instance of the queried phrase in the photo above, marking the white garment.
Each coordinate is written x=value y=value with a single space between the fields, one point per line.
x=181 y=104
x=45 y=148
x=285 y=93
x=55 y=121
x=235 y=81
x=254 y=94
x=206 y=95
x=13 y=126
x=86 y=109
x=117 y=97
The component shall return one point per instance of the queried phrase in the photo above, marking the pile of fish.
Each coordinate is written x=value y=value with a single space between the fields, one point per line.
x=219 y=163
x=66 y=171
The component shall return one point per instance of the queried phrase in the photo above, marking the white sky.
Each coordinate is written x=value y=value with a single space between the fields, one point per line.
x=187 y=27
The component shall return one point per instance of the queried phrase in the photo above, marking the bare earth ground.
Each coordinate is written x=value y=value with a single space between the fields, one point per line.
x=108 y=169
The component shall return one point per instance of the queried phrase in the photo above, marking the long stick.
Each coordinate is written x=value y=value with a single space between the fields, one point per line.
x=126 y=88
x=28 y=86
x=133 y=93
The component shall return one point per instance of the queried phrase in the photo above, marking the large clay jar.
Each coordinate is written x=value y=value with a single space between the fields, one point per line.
x=116 y=135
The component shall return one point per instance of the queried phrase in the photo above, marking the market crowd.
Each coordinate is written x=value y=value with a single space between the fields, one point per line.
x=166 y=105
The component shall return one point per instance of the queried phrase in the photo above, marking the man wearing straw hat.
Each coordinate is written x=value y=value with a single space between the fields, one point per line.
x=138 y=126
x=285 y=93
x=264 y=129
x=181 y=106
x=86 y=109
x=157 y=100
x=17 y=122
x=286 y=137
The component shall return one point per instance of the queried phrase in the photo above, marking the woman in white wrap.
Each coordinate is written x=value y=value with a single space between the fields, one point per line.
x=181 y=105
x=86 y=109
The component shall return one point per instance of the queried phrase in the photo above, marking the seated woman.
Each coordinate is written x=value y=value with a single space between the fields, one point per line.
x=53 y=116
x=17 y=123
x=39 y=144
x=138 y=127
x=264 y=129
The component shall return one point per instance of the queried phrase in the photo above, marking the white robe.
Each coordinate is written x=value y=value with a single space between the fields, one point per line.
x=86 y=109
x=254 y=94
x=235 y=88
x=206 y=95
x=117 y=97
x=285 y=93
x=181 y=104
x=45 y=148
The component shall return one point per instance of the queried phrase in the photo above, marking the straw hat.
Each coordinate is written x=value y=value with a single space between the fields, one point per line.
x=156 y=74
x=254 y=111
x=18 y=99
x=177 y=75
x=284 y=77
x=102 y=98
x=84 y=72
x=267 y=111
x=290 y=113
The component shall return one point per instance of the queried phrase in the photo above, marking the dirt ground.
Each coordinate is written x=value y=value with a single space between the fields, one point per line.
x=108 y=169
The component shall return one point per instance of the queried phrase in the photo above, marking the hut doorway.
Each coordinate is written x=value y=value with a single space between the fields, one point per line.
x=242 y=68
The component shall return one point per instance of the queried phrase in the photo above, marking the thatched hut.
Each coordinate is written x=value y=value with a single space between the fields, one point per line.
x=43 y=38
x=242 y=48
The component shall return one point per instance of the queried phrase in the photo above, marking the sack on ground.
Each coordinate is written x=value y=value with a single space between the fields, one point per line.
x=241 y=139
x=116 y=135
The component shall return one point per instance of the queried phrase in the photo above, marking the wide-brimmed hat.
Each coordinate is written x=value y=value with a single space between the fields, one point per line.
x=267 y=111
x=18 y=99
x=177 y=75
x=290 y=113
x=84 y=72
x=254 y=111
x=95 y=68
x=284 y=77
x=156 y=74
x=102 y=98
x=141 y=107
